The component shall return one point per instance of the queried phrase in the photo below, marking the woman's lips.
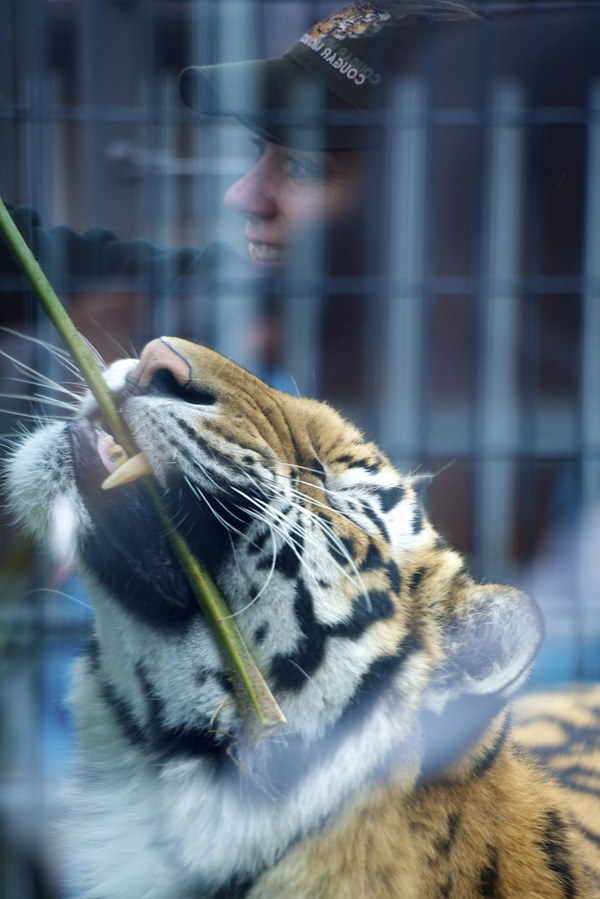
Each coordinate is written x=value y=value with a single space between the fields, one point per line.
x=265 y=254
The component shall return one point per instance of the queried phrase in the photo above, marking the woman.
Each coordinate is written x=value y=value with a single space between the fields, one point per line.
x=319 y=114
x=315 y=201
x=319 y=222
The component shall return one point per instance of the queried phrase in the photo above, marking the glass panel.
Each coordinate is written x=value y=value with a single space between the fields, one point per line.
x=449 y=304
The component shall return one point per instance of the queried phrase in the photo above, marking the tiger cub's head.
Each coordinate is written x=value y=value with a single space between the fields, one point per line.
x=357 y=613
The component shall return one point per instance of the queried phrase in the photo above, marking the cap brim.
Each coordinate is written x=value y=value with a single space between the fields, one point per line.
x=277 y=100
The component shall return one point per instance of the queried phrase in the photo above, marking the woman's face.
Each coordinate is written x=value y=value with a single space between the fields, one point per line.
x=288 y=191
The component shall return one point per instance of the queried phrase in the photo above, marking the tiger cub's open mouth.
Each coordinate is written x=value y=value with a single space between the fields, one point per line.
x=121 y=468
x=127 y=542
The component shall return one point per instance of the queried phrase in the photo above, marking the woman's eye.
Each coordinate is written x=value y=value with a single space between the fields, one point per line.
x=300 y=169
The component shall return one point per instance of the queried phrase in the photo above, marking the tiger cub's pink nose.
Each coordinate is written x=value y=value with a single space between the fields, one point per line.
x=159 y=355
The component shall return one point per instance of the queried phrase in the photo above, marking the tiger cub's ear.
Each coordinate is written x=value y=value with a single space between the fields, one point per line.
x=489 y=646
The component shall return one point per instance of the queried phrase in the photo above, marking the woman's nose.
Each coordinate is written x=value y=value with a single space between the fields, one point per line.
x=252 y=195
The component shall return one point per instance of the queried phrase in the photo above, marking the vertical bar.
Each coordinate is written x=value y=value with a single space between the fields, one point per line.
x=24 y=790
x=160 y=199
x=590 y=397
x=497 y=423
x=306 y=275
x=110 y=74
x=590 y=363
x=234 y=305
x=401 y=396
x=302 y=333
x=9 y=53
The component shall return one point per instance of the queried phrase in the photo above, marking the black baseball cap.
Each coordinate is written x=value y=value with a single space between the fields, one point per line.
x=326 y=91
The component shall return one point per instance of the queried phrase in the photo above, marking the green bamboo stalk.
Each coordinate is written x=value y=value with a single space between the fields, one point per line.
x=259 y=710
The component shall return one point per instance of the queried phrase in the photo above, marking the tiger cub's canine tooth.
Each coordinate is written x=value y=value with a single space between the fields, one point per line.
x=129 y=471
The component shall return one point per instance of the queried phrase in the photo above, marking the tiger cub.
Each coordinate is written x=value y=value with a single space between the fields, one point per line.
x=396 y=775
